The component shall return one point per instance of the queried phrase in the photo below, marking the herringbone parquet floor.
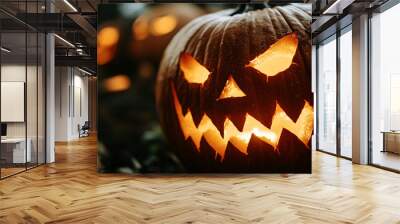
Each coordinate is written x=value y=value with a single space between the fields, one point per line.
x=70 y=191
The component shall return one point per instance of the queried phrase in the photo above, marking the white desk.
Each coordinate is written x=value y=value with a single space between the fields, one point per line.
x=18 y=144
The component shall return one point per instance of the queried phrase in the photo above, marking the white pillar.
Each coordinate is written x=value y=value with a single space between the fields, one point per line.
x=360 y=90
x=50 y=92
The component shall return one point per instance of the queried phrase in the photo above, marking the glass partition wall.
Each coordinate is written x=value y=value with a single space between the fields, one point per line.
x=13 y=89
x=22 y=77
x=334 y=93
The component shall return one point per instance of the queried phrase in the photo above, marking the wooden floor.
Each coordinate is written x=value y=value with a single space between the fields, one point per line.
x=387 y=159
x=5 y=172
x=70 y=191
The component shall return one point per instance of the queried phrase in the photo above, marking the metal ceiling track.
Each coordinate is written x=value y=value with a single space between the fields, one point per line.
x=337 y=15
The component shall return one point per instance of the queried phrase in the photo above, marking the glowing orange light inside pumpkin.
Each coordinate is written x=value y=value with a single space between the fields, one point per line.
x=278 y=57
x=105 y=55
x=108 y=36
x=117 y=83
x=302 y=128
x=140 y=28
x=192 y=70
x=231 y=89
x=163 y=25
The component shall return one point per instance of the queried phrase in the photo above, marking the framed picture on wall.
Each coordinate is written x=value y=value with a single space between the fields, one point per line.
x=12 y=101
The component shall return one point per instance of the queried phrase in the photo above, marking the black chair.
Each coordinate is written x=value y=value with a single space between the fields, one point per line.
x=84 y=130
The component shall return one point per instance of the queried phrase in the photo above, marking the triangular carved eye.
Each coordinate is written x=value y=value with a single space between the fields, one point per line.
x=278 y=57
x=231 y=89
x=192 y=70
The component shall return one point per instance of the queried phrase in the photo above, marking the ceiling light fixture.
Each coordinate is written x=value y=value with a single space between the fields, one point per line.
x=84 y=71
x=70 y=5
x=65 y=41
x=80 y=51
x=5 y=50
x=337 y=7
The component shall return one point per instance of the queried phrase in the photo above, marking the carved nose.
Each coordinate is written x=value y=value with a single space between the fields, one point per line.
x=231 y=89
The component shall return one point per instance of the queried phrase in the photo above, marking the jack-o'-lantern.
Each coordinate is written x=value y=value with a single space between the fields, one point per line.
x=234 y=91
x=155 y=27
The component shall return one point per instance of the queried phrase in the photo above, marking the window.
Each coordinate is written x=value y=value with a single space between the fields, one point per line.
x=326 y=99
x=385 y=89
x=346 y=92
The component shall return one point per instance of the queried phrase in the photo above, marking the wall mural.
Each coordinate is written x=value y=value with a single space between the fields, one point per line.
x=205 y=88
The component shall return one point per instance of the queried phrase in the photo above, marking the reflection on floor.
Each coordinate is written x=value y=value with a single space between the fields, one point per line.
x=10 y=169
x=346 y=152
x=71 y=191
x=386 y=159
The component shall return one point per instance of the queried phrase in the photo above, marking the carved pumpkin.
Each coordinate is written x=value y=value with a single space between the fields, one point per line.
x=234 y=91
x=155 y=27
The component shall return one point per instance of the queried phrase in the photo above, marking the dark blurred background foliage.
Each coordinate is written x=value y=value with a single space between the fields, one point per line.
x=131 y=40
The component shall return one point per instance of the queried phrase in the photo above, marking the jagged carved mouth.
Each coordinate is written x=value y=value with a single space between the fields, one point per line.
x=206 y=129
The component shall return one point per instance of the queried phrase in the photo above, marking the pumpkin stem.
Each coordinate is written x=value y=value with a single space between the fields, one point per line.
x=255 y=6
x=259 y=6
x=250 y=7
x=240 y=9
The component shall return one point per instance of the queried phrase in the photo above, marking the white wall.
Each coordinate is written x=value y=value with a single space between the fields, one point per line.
x=80 y=110
x=62 y=81
x=71 y=102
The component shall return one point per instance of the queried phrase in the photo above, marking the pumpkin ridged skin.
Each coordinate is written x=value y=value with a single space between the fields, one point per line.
x=224 y=44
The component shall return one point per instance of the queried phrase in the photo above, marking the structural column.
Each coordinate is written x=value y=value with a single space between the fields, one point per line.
x=360 y=90
x=50 y=92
